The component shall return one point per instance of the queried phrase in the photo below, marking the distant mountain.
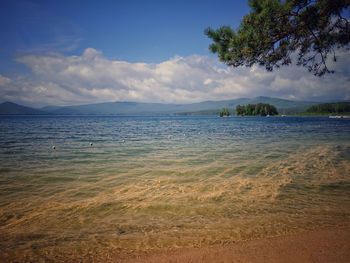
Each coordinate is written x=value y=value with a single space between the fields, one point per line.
x=139 y=108
x=200 y=108
x=282 y=103
x=50 y=108
x=16 y=109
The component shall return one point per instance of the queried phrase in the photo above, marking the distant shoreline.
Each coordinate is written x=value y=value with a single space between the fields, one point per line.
x=284 y=107
x=346 y=115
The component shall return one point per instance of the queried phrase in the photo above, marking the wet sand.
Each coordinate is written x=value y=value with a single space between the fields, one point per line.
x=330 y=245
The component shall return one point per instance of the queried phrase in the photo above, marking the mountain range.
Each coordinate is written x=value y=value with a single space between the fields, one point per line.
x=139 y=108
x=10 y=108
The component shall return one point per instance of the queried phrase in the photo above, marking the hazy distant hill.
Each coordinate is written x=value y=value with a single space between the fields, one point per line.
x=200 y=108
x=137 y=108
x=16 y=109
x=50 y=108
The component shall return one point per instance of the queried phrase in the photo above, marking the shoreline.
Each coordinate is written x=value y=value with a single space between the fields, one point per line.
x=325 y=245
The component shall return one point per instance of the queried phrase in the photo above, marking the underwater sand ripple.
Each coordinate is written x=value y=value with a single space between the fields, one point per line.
x=184 y=205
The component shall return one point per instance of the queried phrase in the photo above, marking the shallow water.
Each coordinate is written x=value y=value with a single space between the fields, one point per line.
x=164 y=182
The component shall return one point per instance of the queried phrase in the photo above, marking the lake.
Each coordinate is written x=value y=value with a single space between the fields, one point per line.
x=76 y=184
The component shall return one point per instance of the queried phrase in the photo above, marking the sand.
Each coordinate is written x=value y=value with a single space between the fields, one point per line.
x=330 y=245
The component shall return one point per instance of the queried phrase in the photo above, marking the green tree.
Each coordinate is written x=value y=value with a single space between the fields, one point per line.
x=275 y=29
x=240 y=110
x=338 y=107
x=261 y=109
x=224 y=112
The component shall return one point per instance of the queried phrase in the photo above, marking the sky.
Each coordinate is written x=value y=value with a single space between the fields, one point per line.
x=79 y=52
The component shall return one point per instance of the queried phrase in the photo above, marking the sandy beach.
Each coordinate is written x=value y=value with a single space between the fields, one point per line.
x=317 y=246
x=330 y=245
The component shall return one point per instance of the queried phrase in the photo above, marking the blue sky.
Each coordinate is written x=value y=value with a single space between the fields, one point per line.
x=77 y=52
x=133 y=30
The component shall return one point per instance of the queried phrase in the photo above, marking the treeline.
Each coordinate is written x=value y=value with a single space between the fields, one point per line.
x=262 y=109
x=338 y=107
x=224 y=112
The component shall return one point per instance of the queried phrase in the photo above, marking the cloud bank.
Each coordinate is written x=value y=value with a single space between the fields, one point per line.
x=90 y=78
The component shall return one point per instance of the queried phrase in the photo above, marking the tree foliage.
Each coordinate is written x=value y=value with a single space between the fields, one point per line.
x=224 y=112
x=339 y=107
x=275 y=29
x=262 y=109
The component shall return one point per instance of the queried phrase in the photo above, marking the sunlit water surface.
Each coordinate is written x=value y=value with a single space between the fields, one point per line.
x=164 y=182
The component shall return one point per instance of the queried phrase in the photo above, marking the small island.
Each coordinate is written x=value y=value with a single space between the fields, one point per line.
x=260 y=109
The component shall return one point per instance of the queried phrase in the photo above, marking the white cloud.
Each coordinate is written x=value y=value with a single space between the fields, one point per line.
x=4 y=81
x=91 y=78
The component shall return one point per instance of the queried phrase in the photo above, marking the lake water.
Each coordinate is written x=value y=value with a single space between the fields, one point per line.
x=164 y=182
